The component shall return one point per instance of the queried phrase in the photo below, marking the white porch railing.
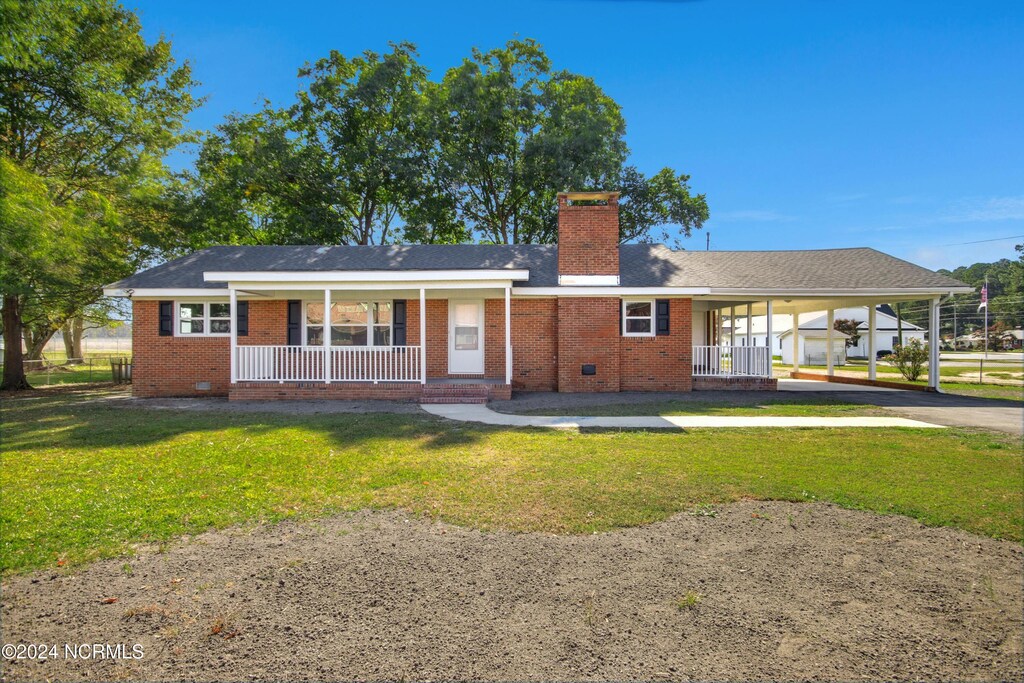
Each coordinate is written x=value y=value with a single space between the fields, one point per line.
x=732 y=361
x=346 y=364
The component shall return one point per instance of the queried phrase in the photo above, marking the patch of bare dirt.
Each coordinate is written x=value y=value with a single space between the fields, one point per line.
x=759 y=591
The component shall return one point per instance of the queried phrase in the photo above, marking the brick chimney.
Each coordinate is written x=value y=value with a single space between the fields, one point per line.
x=588 y=238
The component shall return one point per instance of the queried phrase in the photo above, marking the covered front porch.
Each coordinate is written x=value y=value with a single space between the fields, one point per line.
x=423 y=338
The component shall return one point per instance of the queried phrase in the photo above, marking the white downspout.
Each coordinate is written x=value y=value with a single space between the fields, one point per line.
x=508 y=335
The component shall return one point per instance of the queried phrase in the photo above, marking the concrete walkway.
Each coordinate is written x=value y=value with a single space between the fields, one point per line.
x=484 y=415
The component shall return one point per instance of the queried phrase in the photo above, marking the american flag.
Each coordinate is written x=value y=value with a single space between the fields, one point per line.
x=984 y=297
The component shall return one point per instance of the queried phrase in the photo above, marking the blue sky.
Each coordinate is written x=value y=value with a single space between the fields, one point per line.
x=895 y=125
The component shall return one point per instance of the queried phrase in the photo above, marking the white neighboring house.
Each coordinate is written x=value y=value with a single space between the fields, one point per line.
x=813 y=345
x=813 y=326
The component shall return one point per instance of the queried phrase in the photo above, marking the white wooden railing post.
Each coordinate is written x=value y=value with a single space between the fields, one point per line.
x=233 y=313
x=327 y=337
x=423 y=335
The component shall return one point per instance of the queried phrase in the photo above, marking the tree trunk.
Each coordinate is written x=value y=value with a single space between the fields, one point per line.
x=72 y=336
x=14 y=362
x=36 y=339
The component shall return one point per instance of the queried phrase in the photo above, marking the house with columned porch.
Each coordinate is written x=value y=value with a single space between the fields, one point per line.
x=440 y=323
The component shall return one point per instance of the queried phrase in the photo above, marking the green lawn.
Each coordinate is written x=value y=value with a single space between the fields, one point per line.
x=71 y=374
x=82 y=480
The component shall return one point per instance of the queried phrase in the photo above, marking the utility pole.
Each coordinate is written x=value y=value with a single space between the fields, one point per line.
x=708 y=247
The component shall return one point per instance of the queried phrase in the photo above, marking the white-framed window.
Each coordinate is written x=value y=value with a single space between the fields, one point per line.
x=638 y=318
x=202 y=319
x=353 y=323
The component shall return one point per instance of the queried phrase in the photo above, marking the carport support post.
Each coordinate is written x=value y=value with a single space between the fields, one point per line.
x=872 y=352
x=830 y=363
x=732 y=326
x=796 y=341
x=933 y=344
x=750 y=327
x=423 y=335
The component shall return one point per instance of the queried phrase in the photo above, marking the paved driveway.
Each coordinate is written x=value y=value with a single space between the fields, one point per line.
x=944 y=409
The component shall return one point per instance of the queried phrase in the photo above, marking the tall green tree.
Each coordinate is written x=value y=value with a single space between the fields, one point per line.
x=342 y=165
x=88 y=109
x=511 y=134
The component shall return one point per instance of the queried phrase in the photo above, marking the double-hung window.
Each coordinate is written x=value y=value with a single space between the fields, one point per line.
x=352 y=323
x=638 y=318
x=204 y=319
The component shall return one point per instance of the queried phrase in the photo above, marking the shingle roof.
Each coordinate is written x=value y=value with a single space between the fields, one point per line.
x=640 y=265
x=823 y=269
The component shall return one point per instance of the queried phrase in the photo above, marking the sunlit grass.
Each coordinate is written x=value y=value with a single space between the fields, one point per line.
x=82 y=480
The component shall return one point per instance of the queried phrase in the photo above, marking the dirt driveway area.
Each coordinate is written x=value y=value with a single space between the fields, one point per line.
x=748 y=591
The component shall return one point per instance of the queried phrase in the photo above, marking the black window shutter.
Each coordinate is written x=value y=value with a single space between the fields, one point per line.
x=294 y=322
x=398 y=321
x=166 y=318
x=661 y=316
x=622 y=318
x=242 y=318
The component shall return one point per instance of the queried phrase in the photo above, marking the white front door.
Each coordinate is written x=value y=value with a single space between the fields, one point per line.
x=466 y=337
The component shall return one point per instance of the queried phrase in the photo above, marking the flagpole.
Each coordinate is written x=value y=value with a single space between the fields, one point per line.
x=986 y=317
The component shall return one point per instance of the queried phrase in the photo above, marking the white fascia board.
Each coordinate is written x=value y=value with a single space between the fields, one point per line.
x=166 y=293
x=610 y=291
x=368 y=286
x=338 y=277
x=755 y=294
x=588 y=280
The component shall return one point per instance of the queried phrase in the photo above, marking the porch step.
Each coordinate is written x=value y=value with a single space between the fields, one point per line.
x=454 y=393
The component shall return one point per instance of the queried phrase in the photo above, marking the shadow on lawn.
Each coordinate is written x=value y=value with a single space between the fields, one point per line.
x=47 y=419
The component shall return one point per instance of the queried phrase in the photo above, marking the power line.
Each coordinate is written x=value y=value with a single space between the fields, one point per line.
x=995 y=239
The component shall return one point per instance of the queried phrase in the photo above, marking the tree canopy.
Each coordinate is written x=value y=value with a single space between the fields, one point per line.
x=88 y=109
x=373 y=151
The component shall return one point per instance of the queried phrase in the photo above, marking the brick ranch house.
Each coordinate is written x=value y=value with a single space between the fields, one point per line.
x=471 y=322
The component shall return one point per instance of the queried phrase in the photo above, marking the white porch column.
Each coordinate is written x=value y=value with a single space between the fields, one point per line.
x=830 y=362
x=872 y=352
x=508 y=335
x=327 y=335
x=234 y=335
x=796 y=341
x=732 y=326
x=750 y=327
x=423 y=335
x=768 y=340
x=933 y=344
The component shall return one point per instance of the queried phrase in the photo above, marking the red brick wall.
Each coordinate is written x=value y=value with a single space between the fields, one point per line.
x=588 y=332
x=552 y=338
x=588 y=238
x=662 y=363
x=171 y=366
x=535 y=344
